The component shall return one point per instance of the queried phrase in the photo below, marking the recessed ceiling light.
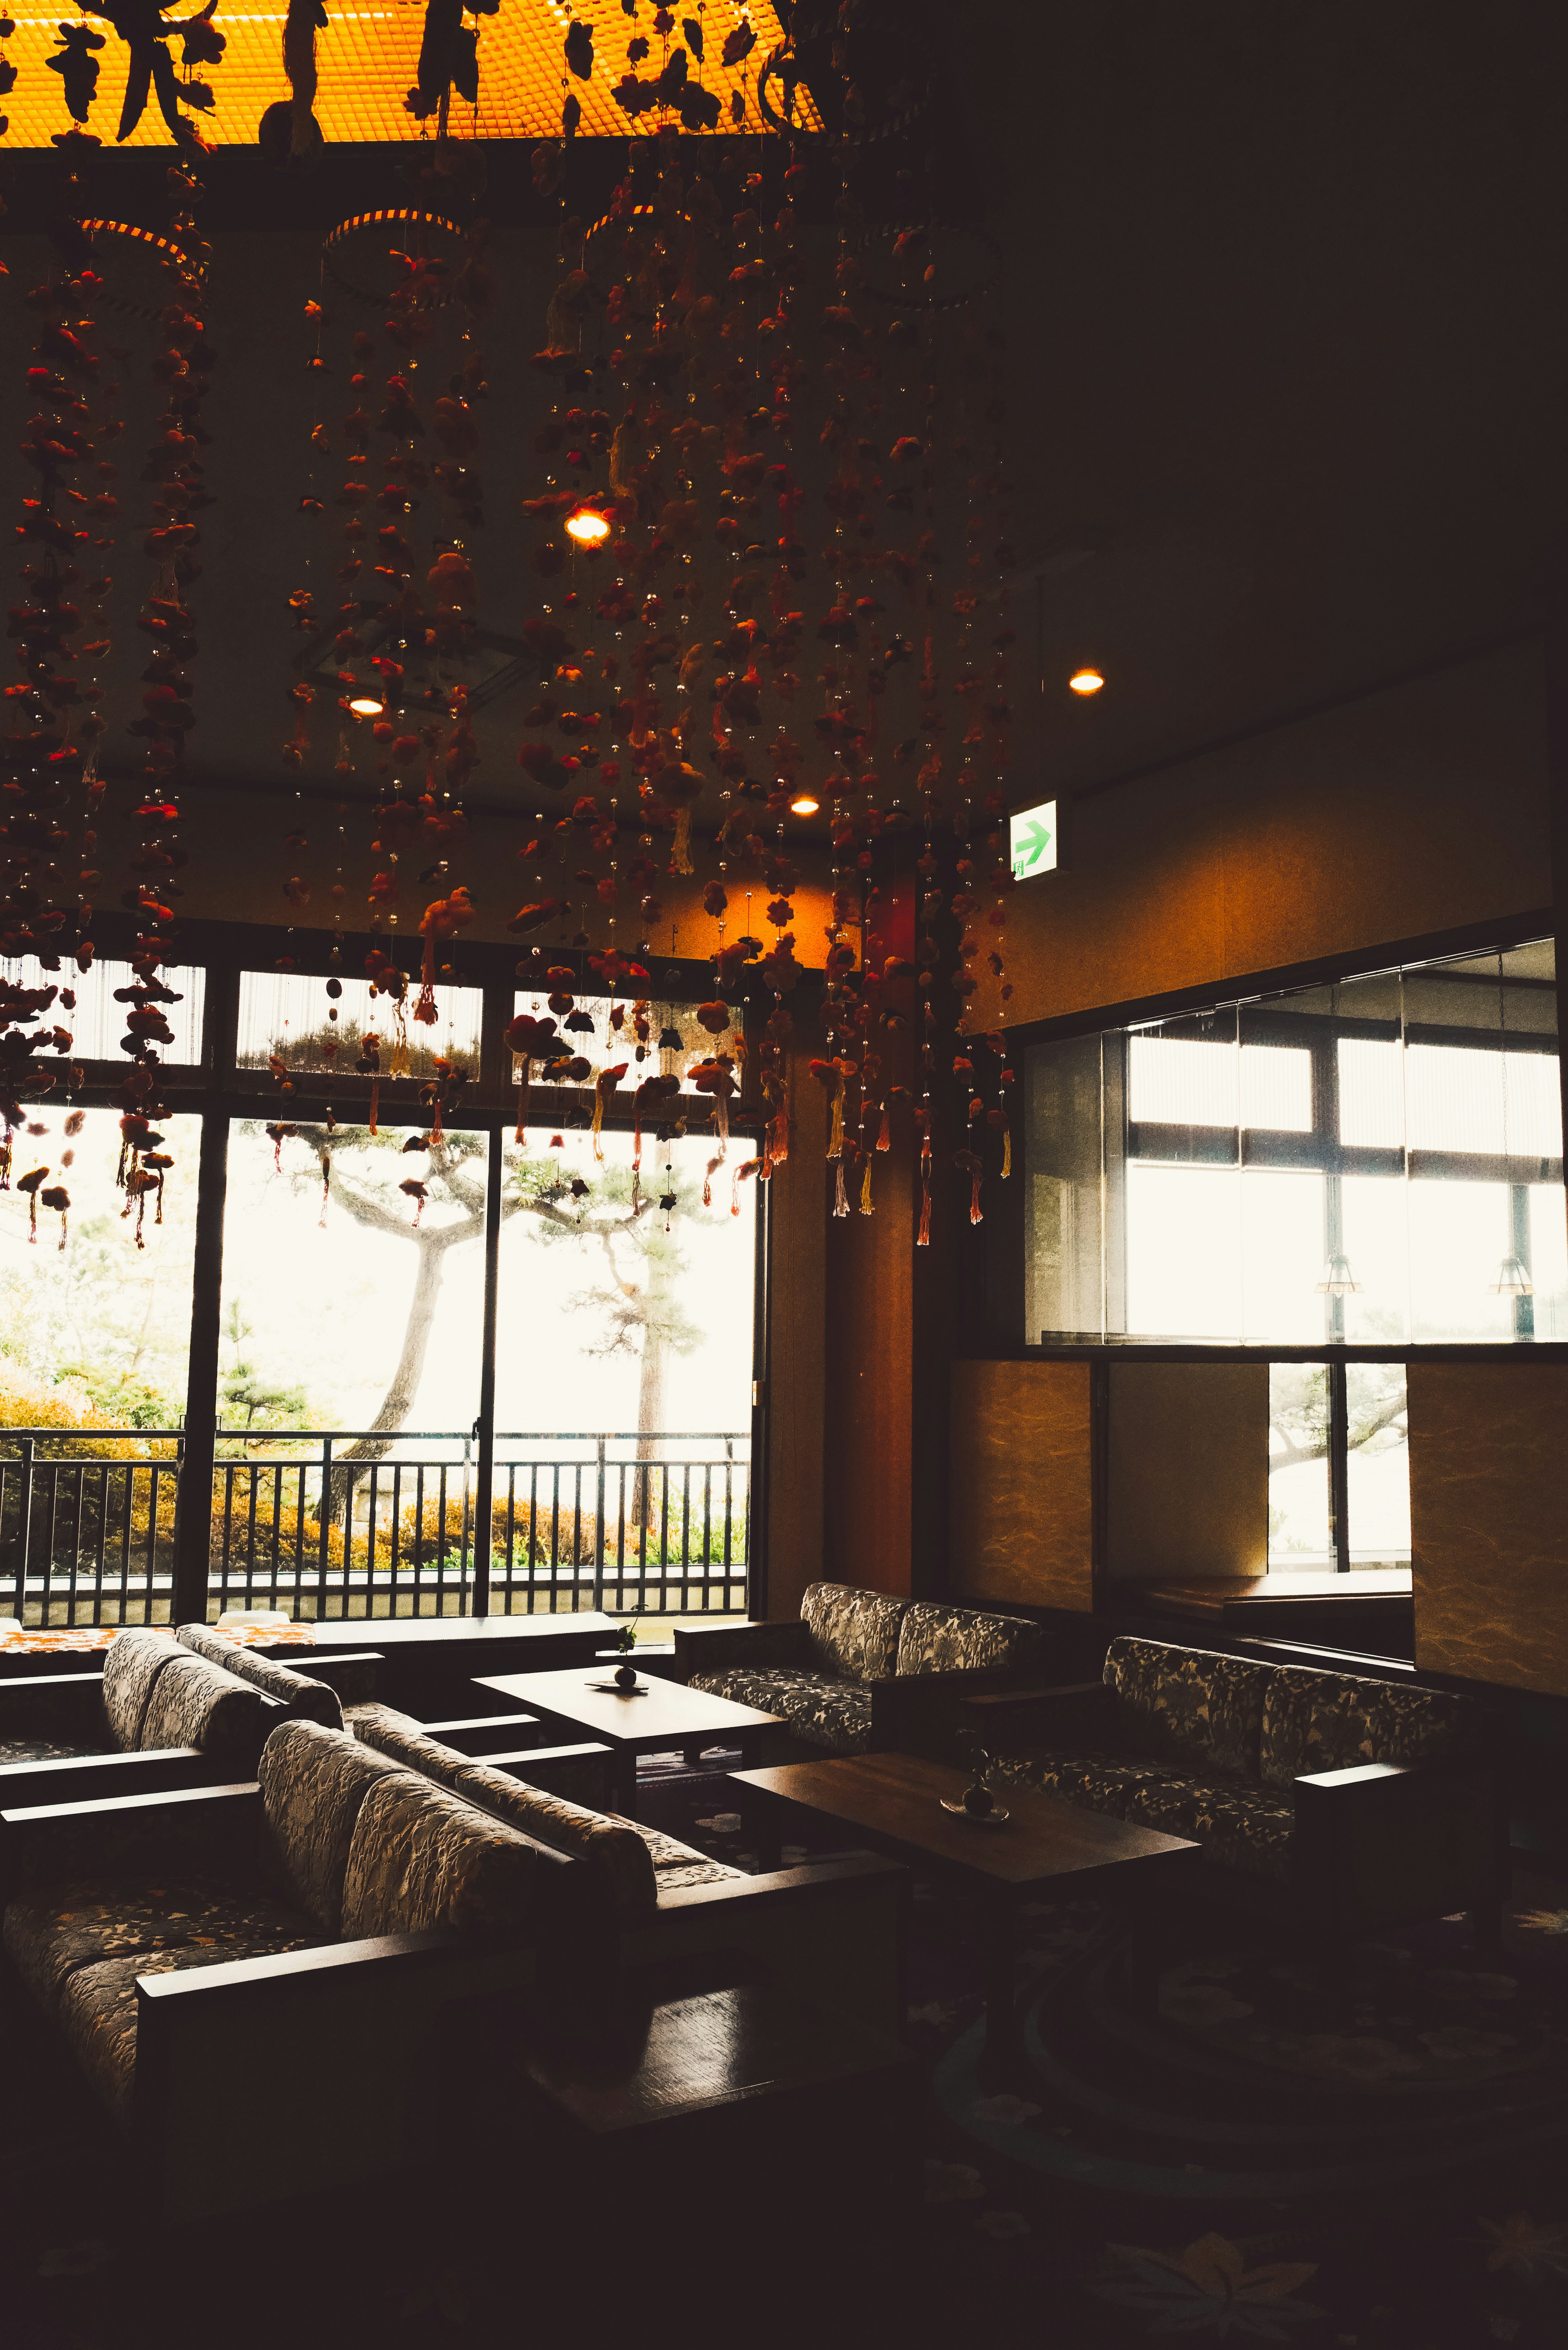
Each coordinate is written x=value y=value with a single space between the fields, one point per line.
x=587 y=527
x=803 y=805
x=367 y=705
x=1086 y=681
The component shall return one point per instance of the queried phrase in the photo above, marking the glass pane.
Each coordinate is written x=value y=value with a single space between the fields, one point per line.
x=1183 y=1250
x=1462 y=1097
x=1176 y=1081
x=1371 y=1093
x=96 y=1023
x=96 y=1333
x=607 y=1038
x=359 y=1306
x=626 y=1315
x=1459 y=1234
x=1549 y=1260
x=1374 y=1229
x=1063 y=1271
x=1298 y=1466
x=1282 y=1244
x=288 y=1015
x=1276 y=1088
x=1378 y=1465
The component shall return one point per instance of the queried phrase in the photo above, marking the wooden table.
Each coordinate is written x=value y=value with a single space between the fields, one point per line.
x=666 y=1715
x=1045 y=1849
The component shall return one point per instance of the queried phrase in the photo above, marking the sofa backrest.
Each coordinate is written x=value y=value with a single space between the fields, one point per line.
x=1188 y=1705
x=131 y=1664
x=194 y=1703
x=312 y=1782
x=937 y=1639
x=307 y=1700
x=618 y=1859
x=854 y=1634
x=1331 y=1722
x=422 y=1857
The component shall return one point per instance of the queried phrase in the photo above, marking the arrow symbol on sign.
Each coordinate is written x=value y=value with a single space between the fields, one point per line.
x=1036 y=841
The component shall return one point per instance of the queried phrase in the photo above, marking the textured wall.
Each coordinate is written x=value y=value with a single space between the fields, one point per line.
x=1189 y=1481
x=1489 y=1521
x=1021 y=1525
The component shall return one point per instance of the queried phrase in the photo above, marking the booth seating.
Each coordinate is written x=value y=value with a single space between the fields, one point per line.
x=861 y=1672
x=574 y=1773
x=158 y=1694
x=221 y=1961
x=1346 y=1804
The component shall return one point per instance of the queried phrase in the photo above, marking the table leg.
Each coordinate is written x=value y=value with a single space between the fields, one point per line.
x=1001 y=1990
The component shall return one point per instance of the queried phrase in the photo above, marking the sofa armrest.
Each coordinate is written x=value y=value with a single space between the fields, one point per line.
x=732 y=1648
x=482 y=1735
x=96 y=1778
x=580 y=1774
x=352 y=1674
x=833 y=1931
x=348 y=2030
x=64 y=1708
x=1383 y=1842
x=1012 y=1721
x=198 y=1830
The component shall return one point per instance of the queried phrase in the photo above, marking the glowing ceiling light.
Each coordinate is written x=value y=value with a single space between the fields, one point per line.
x=803 y=805
x=587 y=527
x=1086 y=681
x=367 y=705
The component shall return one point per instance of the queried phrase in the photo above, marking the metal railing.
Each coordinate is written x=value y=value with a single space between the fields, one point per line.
x=637 y=1523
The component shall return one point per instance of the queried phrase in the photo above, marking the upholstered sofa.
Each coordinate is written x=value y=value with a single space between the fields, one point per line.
x=224 y=1962
x=1344 y=1803
x=860 y=1671
x=195 y=1695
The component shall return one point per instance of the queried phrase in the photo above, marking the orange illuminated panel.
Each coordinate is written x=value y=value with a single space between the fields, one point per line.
x=366 y=60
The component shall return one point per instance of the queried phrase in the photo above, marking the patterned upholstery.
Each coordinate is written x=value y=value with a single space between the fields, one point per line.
x=132 y=1665
x=307 y=1699
x=80 y=1948
x=40 y=1750
x=422 y=1857
x=1331 y=1721
x=402 y=1739
x=197 y=1704
x=935 y=1639
x=1240 y=1827
x=1188 y=1705
x=854 y=1634
x=615 y=1849
x=1094 y=1782
x=834 y=1714
x=676 y=1865
x=50 y=1935
x=312 y=1782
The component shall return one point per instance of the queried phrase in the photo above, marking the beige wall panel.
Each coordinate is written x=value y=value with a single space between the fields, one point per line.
x=1188 y=1470
x=1414 y=811
x=1022 y=1487
x=1489 y=1521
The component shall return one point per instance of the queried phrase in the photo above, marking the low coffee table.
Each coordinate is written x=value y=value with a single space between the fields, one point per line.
x=1045 y=1848
x=664 y=1715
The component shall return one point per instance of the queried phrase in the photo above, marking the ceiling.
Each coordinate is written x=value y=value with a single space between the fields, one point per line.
x=1288 y=363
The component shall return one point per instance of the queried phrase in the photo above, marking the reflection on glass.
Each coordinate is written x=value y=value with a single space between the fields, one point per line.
x=1371 y=1095
x=1298 y=1467
x=1374 y=1236
x=293 y=1017
x=1548 y=1230
x=1063 y=1204
x=1463 y=1098
x=1282 y=1249
x=96 y=1022
x=1378 y=1465
x=1460 y=1233
x=623 y=1374
x=96 y=1333
x=1183 y=1252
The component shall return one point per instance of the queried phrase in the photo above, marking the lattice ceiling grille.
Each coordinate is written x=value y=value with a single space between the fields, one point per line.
x=367 y=60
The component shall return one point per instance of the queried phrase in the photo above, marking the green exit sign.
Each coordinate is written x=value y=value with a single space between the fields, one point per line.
x=1033 y=841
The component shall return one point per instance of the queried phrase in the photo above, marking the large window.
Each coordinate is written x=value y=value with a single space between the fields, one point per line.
x=1378 y=1162
x=416 y=1306
x=1375 y=1165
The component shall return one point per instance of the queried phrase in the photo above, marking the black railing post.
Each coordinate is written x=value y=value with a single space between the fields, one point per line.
x=484 y=1426
x=324 y=1555
x=193 y=1491
x=27 y=1540
x=599 y=1529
